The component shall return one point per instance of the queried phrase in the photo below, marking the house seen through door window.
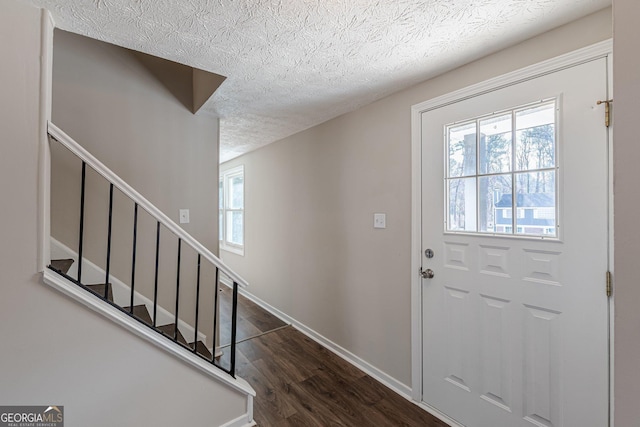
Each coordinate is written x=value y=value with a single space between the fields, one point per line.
x=501 y=173
x=231 y=210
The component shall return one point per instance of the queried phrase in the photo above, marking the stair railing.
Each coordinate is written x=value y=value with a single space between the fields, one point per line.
x=161 y=219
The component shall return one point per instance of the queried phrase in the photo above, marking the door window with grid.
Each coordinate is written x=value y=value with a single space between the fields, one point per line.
x=501 y=173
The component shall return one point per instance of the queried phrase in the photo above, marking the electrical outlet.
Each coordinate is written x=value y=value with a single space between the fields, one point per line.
x=184 y=216
x=379 y=220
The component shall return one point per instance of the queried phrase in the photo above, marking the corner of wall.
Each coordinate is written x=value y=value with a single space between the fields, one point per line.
x=44 y=155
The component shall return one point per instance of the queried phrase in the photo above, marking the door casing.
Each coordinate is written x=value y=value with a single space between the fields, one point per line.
x=599 y=50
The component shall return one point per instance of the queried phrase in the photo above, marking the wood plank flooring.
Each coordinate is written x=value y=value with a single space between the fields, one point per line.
x=300 y=383
x=252 y=319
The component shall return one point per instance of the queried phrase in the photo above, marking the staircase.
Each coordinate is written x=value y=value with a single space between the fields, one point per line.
x=138 y=312
x=137 y=304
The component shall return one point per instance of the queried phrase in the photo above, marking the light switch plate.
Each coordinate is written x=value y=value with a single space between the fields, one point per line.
x=379 y=220
x=184 y=216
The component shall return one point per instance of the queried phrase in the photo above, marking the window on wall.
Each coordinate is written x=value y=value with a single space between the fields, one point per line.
x=231 y=207
x=501 y=172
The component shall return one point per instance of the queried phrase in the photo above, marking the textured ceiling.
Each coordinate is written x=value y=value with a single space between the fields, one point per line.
x=293 y=64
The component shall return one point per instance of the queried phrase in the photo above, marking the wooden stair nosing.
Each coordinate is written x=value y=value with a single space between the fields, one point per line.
x=169 y=331
x=99 y=289
x=201 y=349
x=62 y=265
x=141 y=313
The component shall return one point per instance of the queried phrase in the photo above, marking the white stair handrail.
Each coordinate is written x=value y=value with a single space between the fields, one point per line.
x=64 y=139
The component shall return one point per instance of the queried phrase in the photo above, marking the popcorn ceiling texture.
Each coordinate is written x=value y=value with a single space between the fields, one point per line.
x=292 y=64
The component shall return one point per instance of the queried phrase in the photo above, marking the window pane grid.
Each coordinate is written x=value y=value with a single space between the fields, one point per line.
x=497 y=173
x=231 y=220
x=501 y=173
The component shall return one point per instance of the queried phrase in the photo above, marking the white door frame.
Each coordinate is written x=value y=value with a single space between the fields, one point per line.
x=598 y=50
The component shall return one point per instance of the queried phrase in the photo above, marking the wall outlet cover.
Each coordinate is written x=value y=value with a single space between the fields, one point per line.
x=184 y=216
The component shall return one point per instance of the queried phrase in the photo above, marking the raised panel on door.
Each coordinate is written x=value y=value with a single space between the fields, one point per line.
x=495 y=356
x=542 y=366
x=512 y=323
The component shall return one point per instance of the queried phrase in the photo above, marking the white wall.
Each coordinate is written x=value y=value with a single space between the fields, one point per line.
x=626 y=110
x=311 y=250
x=55 y=351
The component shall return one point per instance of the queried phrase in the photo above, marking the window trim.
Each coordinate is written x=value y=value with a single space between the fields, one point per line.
x=557 y=101
x=225 y=177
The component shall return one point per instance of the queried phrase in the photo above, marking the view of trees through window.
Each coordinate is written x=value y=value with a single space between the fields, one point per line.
x=501 y=164
x=231 y=207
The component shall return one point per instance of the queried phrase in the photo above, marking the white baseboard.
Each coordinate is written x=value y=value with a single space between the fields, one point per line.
x=340 y=351
x=245 y=420
x=382 y=377
x=91 y=273
x=439 y=415
x=242 y=421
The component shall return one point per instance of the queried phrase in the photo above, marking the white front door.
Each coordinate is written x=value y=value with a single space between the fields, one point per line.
x=514 y=209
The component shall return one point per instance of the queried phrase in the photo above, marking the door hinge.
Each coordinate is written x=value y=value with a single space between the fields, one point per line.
x=609 y=284
x=607 y=111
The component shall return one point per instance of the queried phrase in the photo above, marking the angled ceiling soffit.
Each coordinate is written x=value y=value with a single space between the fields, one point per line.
x=191 y=86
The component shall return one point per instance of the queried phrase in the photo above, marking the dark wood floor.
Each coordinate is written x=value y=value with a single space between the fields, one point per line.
x=252 y=319
x=301 y=383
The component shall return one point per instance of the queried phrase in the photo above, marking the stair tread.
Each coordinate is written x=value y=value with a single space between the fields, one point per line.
x=141 y=312
x=62 y=265
x=202 y=349
x=99 y=289
x=169 y=331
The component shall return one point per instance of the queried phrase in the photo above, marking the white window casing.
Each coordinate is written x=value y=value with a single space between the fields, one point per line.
x=231 y=210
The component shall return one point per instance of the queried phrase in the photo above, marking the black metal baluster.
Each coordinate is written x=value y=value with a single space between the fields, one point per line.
x=195 y=334
x=106 y=280
x=175 y=329
x=84 y=169
x=155 y=290
x=234 y=314
x=133 y=257
x=215 y=339
x=215 y=314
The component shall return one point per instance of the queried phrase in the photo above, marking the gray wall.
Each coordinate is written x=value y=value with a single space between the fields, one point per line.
x=110 y=103
x=626 y=110
x=55 y=351
x=311 y=250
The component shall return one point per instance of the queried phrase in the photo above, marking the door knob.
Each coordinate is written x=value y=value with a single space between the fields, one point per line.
x=427 y=274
